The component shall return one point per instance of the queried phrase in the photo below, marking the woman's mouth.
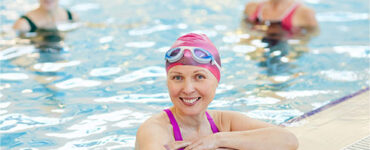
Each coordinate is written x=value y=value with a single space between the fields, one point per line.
x=189 y=101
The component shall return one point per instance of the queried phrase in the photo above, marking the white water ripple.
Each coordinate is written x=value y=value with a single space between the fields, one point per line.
x=341 y=16
x=142 y=44
x=356 y=51
x=156 y=28
x=136 y=98
x=278 y=116
x=104 y=71
x=17 y=122
x=152 y=71
x=77 y=82
x=16 y=51
x=85 y=6
x=13 y=76
x=52 y=67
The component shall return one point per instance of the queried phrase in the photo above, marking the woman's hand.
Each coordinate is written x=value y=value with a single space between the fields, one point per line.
x=209 y=142
x=176 y=145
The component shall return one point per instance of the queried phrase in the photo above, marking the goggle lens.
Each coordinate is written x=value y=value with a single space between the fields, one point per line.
x=200 y=53
x=175 y=52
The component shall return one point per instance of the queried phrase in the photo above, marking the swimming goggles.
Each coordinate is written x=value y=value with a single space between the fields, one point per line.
x=199 y=55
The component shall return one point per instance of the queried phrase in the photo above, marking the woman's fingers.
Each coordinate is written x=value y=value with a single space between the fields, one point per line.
x=176 y=145
x=192 y=145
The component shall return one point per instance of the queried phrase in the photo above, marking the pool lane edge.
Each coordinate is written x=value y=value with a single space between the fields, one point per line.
x=324 y=107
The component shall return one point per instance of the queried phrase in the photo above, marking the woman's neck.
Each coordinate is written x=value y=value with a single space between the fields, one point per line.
x=194 y=121
x=49 y=16
x=279 y=3
x=48 y=11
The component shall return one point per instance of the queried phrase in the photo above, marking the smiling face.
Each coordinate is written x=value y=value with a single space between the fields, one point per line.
x=49 y=4
x=191 y=88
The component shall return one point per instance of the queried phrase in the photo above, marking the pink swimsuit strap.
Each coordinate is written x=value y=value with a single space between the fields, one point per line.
x=255 y=15
x=176 y=129
x=286 y=19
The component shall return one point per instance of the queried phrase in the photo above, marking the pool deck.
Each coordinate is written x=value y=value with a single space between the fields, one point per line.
x=335 y=127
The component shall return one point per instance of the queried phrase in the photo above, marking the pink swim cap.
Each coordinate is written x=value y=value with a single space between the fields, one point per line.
x=200 y=41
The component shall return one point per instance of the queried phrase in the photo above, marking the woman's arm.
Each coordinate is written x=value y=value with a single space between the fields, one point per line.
x=21 y=25
x=271 y=138
x=250 y=8
x=151 y=135
x=243 y=132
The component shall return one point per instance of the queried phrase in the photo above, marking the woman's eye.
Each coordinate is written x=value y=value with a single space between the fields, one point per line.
x=176 y=77
x=200 y=76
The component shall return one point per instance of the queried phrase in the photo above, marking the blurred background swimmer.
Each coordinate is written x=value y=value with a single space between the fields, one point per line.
x=47 y=16
x=280 y=30
x=292 y=15
x=42 y=25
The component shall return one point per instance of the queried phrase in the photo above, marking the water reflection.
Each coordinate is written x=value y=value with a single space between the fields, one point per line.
x=49 y=40
x=42 y=53
x=276 y=48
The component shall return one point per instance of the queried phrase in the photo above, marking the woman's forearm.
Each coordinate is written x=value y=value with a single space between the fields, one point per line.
x=259 y=139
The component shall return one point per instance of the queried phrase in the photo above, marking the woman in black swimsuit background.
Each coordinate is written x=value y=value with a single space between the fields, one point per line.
x=47 y=16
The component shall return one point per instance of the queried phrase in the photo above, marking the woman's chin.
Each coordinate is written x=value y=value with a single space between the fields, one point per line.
x=191 y=111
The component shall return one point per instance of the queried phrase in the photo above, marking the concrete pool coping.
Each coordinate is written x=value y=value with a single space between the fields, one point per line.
x=336 y=125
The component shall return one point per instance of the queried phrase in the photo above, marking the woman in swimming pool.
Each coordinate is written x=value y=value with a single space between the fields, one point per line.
x=292 y=15
x=193 y=69
x=46 y=16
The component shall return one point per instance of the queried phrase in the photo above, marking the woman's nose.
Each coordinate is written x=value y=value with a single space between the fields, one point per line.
x=188 y=87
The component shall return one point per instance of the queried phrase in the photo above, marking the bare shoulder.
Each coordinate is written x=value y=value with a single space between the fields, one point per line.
x=236 y=121
x=250 y=8
x=153 y=133
x=21 y=25
x=306 y=16
x=305 y=11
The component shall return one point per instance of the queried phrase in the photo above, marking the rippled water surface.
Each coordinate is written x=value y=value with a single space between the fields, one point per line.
x=111 y=76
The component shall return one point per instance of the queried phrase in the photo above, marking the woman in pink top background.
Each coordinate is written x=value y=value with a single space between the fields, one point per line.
x=291 y=14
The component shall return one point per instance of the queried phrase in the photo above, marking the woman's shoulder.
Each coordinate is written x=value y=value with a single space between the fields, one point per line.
x=156 y=124
x=23 y=24
x=235 y=121
x=306 y=16
x=303 y=9
x=251 y=7
x=160 y=119
x=154 y=132
x=224 y=119
x=224 y=112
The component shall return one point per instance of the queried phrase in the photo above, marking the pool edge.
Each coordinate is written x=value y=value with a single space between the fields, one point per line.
x=324 y=107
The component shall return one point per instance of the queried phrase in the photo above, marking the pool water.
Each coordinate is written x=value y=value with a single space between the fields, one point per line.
x=111 y=77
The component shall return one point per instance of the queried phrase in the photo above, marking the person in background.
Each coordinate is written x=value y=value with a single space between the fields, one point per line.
x=47 y=16
x=193 y=67
x=292 y=15
x=41 y=25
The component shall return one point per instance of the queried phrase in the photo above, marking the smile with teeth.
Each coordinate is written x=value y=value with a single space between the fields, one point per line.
x=190 y=100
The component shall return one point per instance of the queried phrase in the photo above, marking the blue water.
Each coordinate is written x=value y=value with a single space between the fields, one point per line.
x=111 y=76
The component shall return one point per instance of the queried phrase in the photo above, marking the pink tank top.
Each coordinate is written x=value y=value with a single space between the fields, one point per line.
x=176 y=128
x=285 y=19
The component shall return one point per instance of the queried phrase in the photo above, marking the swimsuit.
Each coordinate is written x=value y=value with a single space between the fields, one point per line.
x=33 y=25
x=176 y=129
x=285 y=19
